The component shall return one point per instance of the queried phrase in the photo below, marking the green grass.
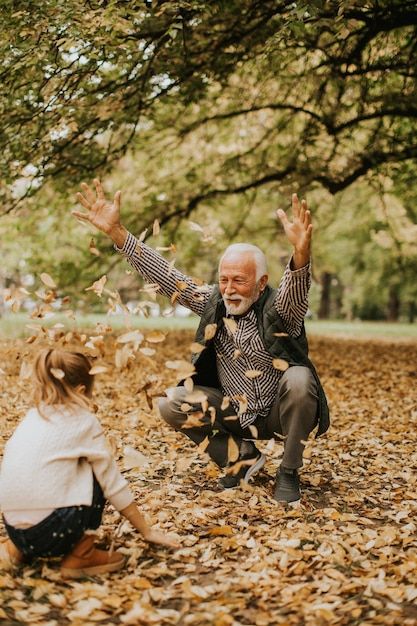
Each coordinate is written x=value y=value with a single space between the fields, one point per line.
x=14 y=325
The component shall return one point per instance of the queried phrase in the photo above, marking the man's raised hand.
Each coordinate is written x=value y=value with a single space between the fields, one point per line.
x=101 y=213
x=298 y=231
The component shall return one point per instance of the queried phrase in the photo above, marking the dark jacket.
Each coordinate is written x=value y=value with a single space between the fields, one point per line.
x=294 y=350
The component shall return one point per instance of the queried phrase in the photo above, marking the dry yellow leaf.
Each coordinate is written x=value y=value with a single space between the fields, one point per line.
x=156 y=228
x=232 y=450
x=253 y=373
x=98 y=369
x=98 y=286
x=196 y=348
x=210 y=331
x=230 y=324
x=93 y=249
x=280 y=364
x=57 y=373
x=48 y=280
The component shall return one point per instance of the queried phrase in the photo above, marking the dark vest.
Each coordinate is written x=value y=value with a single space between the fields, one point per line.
x=291 y=349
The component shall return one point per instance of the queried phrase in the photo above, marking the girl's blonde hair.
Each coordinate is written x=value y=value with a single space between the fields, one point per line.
x=62 y=377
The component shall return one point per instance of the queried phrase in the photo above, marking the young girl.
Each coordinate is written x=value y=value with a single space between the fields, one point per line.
x=57 y=473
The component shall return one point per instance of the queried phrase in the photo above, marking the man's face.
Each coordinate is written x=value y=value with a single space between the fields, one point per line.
x=237 y=282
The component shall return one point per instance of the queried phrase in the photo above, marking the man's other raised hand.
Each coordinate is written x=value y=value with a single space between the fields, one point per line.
x=101 y=213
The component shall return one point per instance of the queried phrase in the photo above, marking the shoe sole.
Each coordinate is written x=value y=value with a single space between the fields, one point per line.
x=92 y=571
x=253 y=469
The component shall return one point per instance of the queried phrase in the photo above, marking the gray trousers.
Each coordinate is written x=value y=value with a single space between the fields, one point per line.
x=292 y=417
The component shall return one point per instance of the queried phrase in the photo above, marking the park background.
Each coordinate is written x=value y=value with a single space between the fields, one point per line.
x=208 y=116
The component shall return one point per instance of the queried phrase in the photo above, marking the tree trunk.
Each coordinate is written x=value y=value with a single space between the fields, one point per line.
x=412 y=311
x=324 y=308
x=393 y=304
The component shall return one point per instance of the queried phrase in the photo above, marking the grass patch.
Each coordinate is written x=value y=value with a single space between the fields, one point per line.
x=15 y=325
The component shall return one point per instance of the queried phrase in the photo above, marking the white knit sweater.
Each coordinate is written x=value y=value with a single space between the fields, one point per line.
x=49 y=463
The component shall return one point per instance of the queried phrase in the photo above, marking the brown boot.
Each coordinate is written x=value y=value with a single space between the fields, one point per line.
x=10 y=556
x=86 y=560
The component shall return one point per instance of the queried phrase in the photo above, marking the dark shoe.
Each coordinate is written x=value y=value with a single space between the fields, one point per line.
x=245 y=467
x=287 y=488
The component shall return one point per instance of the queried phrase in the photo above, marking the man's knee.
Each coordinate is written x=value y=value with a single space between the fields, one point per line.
x=298 y=381
x=170 y=406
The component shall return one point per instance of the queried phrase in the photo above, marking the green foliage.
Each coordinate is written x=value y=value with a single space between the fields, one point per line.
x=213 y=112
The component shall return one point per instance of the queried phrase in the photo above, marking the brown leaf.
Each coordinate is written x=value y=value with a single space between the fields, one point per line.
x=93 y=249
x=98 y=286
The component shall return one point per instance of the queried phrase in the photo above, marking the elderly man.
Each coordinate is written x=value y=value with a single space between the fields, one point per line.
x=253 y=378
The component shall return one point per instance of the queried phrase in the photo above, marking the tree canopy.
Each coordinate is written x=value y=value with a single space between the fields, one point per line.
x=191 y=106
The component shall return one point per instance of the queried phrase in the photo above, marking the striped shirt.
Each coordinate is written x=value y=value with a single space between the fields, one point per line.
x=245 y=368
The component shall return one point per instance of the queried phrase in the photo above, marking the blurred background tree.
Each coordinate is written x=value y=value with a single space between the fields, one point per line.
x=208 y=116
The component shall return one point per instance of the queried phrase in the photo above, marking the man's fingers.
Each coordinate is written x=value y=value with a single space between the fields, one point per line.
x=84 y=217
x=283 y=217
x=89 y=193
x=295 y=205
x=82 y=200
x=117 y=198
x=307 y=219
x=99 y=189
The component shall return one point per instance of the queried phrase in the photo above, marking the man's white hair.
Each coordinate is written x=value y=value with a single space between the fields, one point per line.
x=244 y=248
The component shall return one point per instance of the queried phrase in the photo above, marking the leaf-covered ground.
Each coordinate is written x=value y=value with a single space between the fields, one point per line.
x=347 y=555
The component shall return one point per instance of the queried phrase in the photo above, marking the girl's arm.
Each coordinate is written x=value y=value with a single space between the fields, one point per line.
x=139 y=522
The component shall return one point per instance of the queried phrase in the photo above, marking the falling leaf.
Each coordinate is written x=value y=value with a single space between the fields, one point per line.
x=133 y=336
x=195 y=227
x=253 y=373
x=230 y=324
x=210 y=331
x=47 y=280
x=184 y=368
x=98 y=369
x=26 y=371
x=281 y=335
x=253 y=431
x=225 y=403
x=197 y=396
x=203 y=445
x=93 y=249
x=196 y=348
x=57 y=373
x=232 y=450
x=155 y=228
x=98 y=286
x=142 y=235
x=280 y=364
x=181 y=285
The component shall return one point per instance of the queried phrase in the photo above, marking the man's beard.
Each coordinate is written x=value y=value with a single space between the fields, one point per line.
x=236 y=305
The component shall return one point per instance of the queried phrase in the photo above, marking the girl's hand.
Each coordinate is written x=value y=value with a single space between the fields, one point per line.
x=156 y=536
